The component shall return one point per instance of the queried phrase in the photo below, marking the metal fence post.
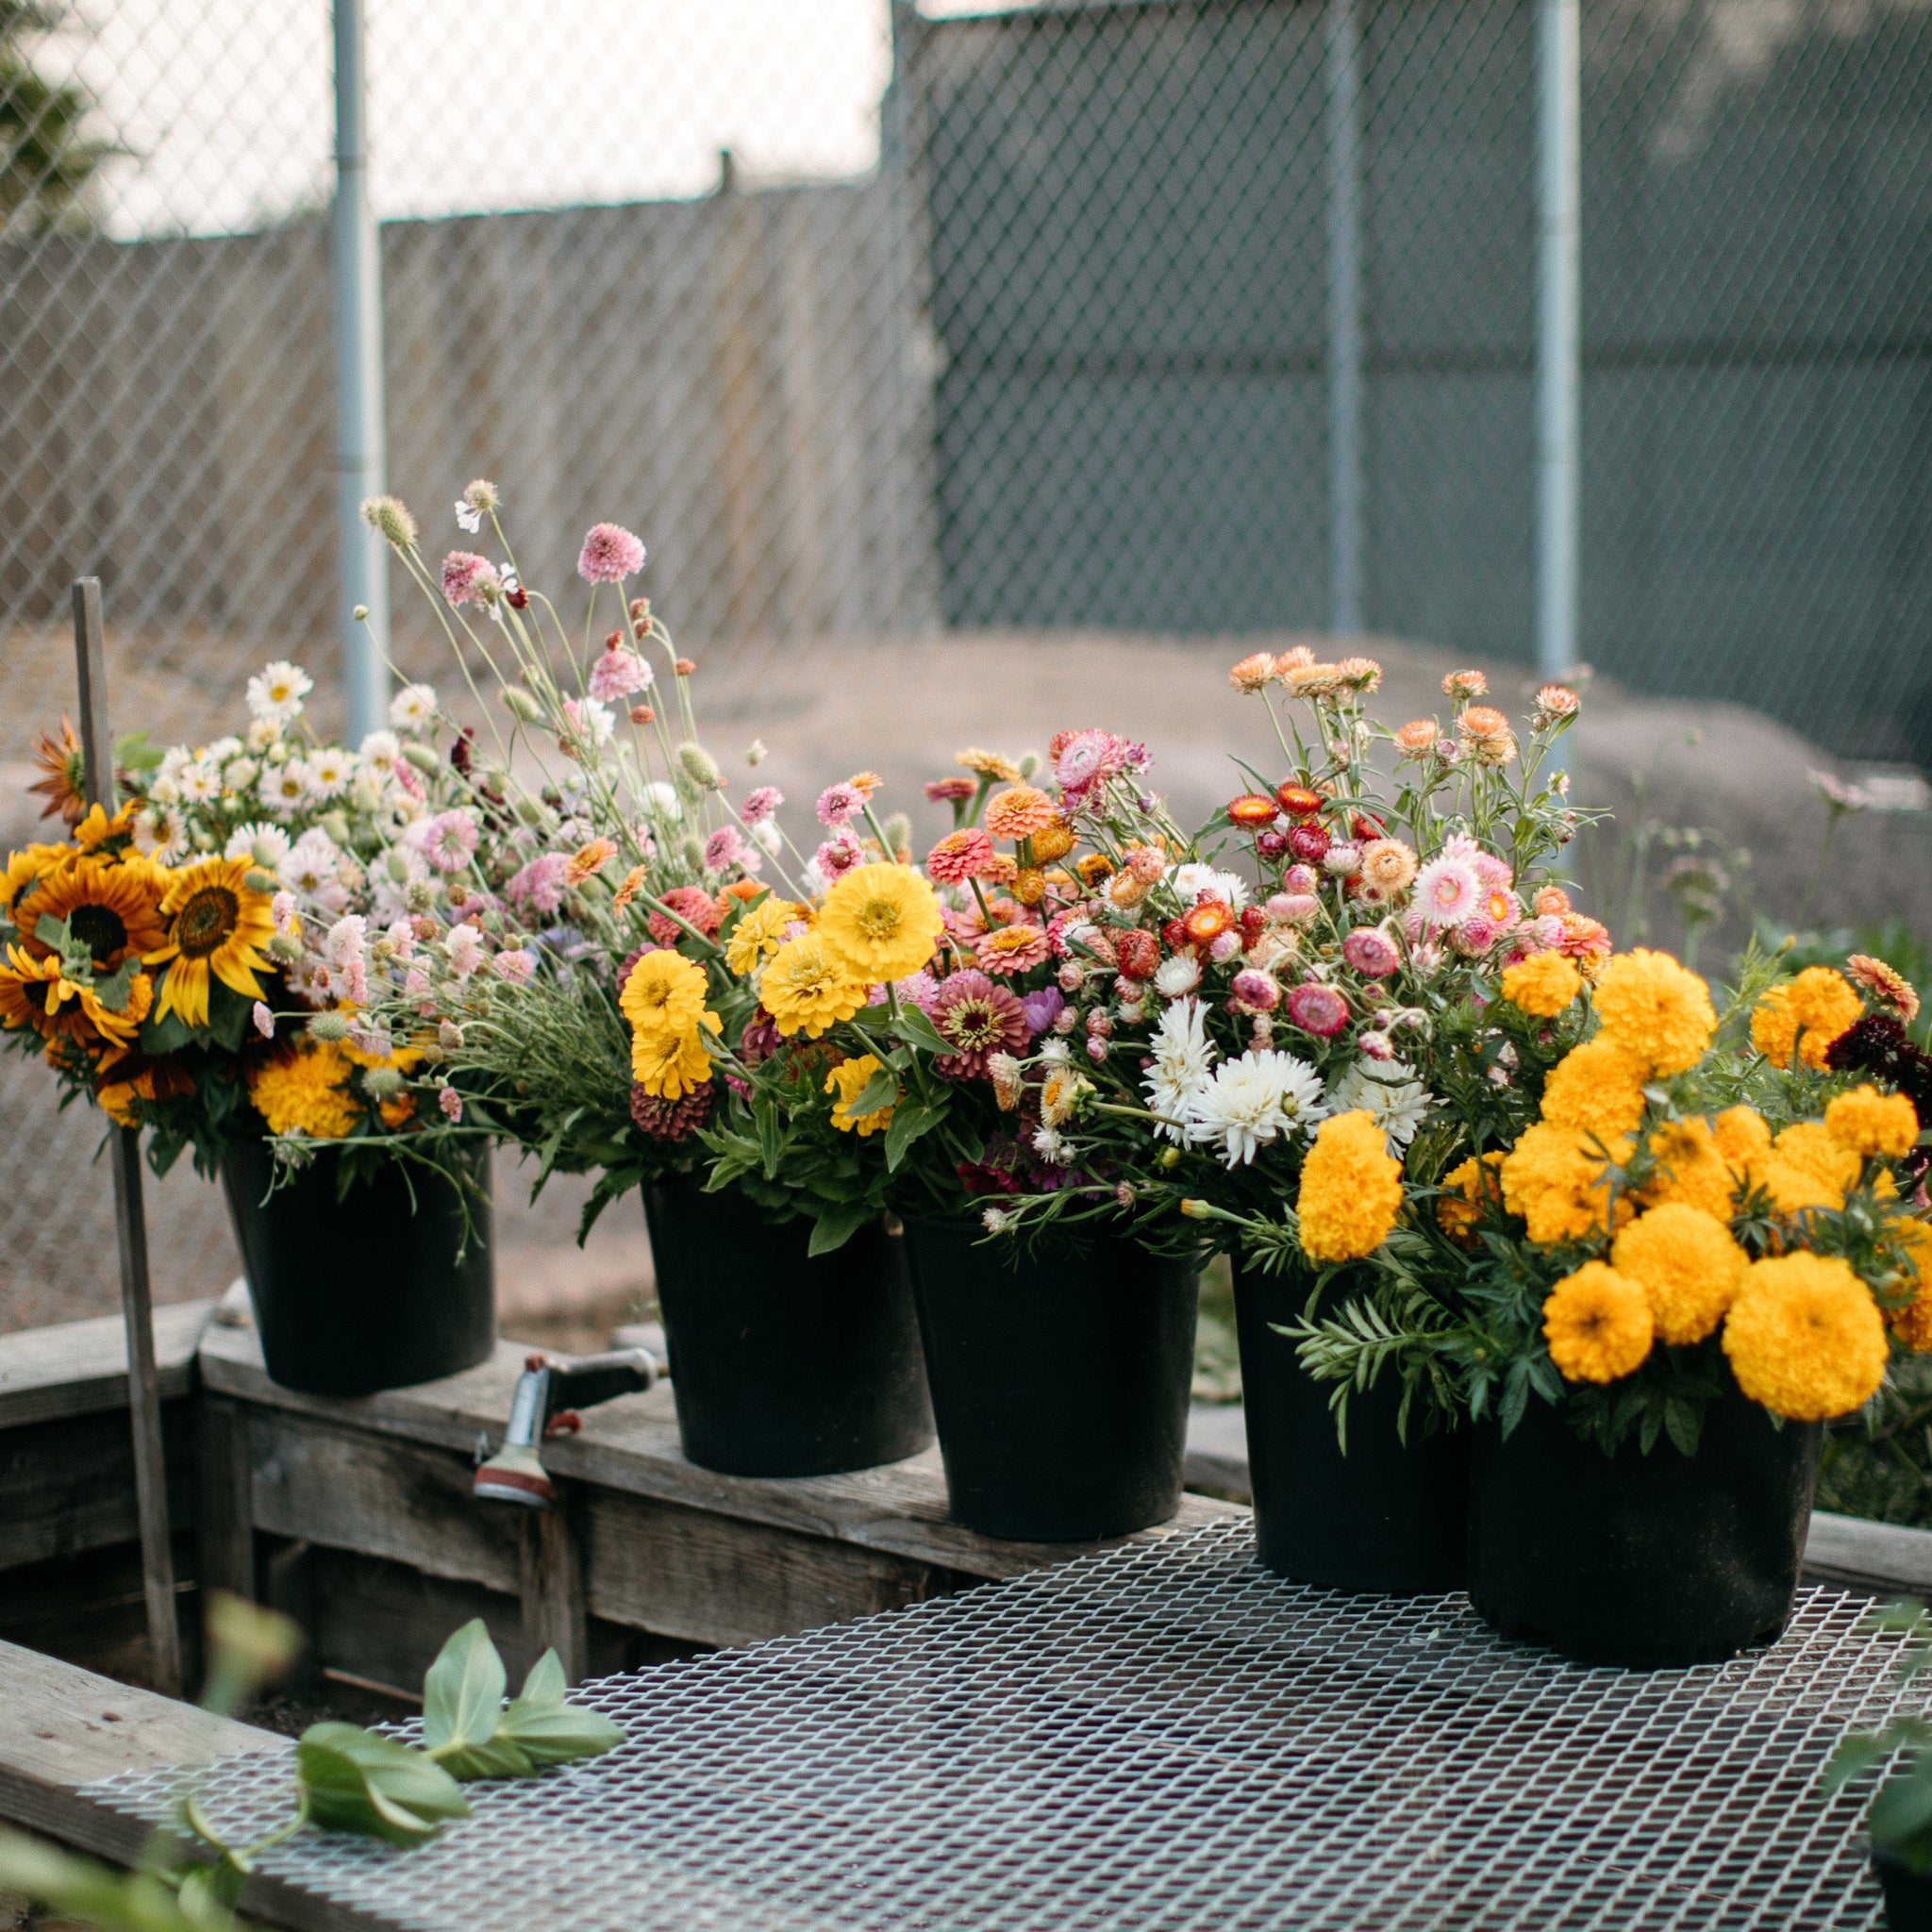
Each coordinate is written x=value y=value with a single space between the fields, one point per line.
x=356 y=274
x=1345 y=322
x=1558 y=371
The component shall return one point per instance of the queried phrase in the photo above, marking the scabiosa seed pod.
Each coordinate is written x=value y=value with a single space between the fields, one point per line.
x=519 y=704
x=284 y=948
x=699 y=766
x=382 y=1083
x=328 y=1026
x=449 y=1035
x=424 y=758
x=388 y=516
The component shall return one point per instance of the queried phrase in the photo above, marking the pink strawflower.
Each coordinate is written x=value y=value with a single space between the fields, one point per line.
x=1254 y=991
x=976 y=1018
x=723 y=848
x=610 y=554
x=1476 y=935
x=451 y=1102
x=617 y=673
x=466 y=575
x=1447 y=892
x=760 y=804
x=1371 y=953
x=538 y=886
x=1295 y=909
x=958 y=856
x=839 y=805
x=450 y=841
x=517 y=965
x=1300 y=878
x=1317 y=1009
x=1082 y=759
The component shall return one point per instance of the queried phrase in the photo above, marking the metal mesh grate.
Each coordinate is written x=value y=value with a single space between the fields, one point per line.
x=1165 y=1736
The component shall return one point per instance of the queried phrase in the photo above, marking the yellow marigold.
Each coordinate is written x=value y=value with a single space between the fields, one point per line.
x=807 y=987
x=1804 y=1338
x=759 y=933
x=1912 y=1323
x=1810 y=1150
x=1687 y=1263
x=1742 y=1139
x=306 y=1093
x=1018 y=812
x=989 y=764
x=1029 y=884
x=1597 y=1324
x=1868 y=1122
x=1544 y=984
x=1351 y=1190
x=663 y=998
x=1805 y=1015
x=1692 y=1168
x=882 y=922
x=1652 y=1007
x=848 y=1080
x=1557 y=1182
x=668 y=1066
x=1471 y=1180
x=1597 y=1086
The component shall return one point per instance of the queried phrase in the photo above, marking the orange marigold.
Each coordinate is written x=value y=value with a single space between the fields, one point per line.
x=1868 y=1122
x=1804 y=1338
x=1351 y=1190
x=1596 y=1088
x=1597 y=1323
x=1687 y=1263
x=1805 y=1016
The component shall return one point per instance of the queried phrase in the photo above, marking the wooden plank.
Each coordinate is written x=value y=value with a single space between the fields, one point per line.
x=555 y=1615
x=91 y=1609
x=686 y=1573
x=78 y=1367
x=67 y=1487
x=226 y=1523
x=1882 y=1559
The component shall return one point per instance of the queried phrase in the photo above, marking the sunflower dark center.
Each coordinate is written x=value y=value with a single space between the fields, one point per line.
x=206 y=921
x=102 y=929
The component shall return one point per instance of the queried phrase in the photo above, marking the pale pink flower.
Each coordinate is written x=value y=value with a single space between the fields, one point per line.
x=617 y=673
x=451 y=1102
x=281 y=908
x=589 y=720
x=344 y=941
x=467 y=576
x=352 y=981
x=517 y=965
x=1008 y=950
x=1295 y=909
x=1447 y=892
x=1087 y=758
x=837 y=857
x=402 y=936
x=1476 y=935
x=465 y=950
x=610 y=554
x=538 y=886
x=839 y=805
x=1300 y=878
x=264 y=1021
x=725 y=848
x=759 y=805
x=449 y=840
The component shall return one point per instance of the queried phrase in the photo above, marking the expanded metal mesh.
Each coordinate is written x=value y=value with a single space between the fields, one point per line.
x=1168 y=1737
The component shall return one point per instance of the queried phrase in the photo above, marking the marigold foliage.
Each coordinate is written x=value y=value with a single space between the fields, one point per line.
x=1544 y=984
x=1655 y=1010
x=1805 y=1015
x=1351 y=1190
x=1804 y=1338
x=1597 y=1323
x=1687 y=1266
x=1471 y=1181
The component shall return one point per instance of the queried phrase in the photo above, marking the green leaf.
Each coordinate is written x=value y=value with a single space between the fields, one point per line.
x=157 y=1037
x=80 y=1889
x=1855 y=1755
x=1903 y=1807
x=838 y=1224
x=462 y=1694
x=229 y=1014
x=916 y=1030
x=499 y=1756
x=764 y=1113
x=53 y=933
x=133 y=753
x=882 y=1091
x=544 y=1686
x=558 y=1733
x=914 y=1118
x=359 y=1782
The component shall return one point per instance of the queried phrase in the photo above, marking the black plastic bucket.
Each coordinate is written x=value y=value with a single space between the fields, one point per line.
x=1060 y=1381
x=1646 y=1561
x=784 y=1364
x=363 y=1290
x=1907 y=1893
x=1388 y=1516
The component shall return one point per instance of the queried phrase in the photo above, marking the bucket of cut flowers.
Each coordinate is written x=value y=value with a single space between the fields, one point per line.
x=1677 y=1255
x=199 y=966
x=595 y=1000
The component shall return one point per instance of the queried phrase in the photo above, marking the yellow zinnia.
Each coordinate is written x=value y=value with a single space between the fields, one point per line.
x=663 y=998
x=881 y=922
x=759 y=933
x=1351 y=1190
x=670 y=1065
x=848 y=1080
x=807 y=987
x=1597 y=1323
x=1804 y=1338
x=215 y=924
x=1544 y=984
x=1687 y=1263
x=1655 y=1010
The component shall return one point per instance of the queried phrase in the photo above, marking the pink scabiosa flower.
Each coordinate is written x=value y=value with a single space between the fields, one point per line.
x=724 y=849
x=617 y=673
x=1082 y=759
x=609 y=555
x=464 y=949
x=837 y=857
x=1371 y=953
x=1317 y=1009
x=264 y=1019
x=538 y=886
x=1447 y=892
x=839 y=805
x=449 y=840
x=1011 y=949
x=976 y=1018
x=467 y=578
x=759 y=805
x=590 y=722
x=450 y=1104
x=517 y=965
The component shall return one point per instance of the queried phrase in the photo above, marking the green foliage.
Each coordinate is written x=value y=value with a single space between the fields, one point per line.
x=1900 y=1820
x=353 y=1780
x=47 y=159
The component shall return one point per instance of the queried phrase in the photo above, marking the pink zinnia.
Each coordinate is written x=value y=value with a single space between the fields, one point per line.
x=1011 y=949
x=617 y=673
x=941 y=790
x=959 y=856
x=976 y=1018
x=1087 y=758
x=539 y=886
x=723 y=848
x=1371 y=954
x=1447 y=892
x=839 y=805
x=1317 y=1009
x=761 y=805
x=465 y=576
x=450 y=843
x=692 y=903
x=610 y=554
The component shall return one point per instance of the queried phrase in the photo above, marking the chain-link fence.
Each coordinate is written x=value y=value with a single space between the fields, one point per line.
x=1164 y=315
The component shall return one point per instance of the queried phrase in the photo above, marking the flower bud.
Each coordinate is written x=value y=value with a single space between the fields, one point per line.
x=699 y=766
x=1029 y=762
x=423 y=757
x=328 y=1026
x=755 y=752
x=383 y=1083
x=388 y=516
x=360 y=613
x=521 y=704
x=284 y=948
x=259 y=880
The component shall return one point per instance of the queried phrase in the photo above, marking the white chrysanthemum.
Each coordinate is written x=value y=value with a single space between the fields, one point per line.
x=1263 y=1096
x=661 y=801
x=160 y=832
x=265 y=845
x=1183 y=1064
x=1389 y=1092
x=199 y=781
x=1176 y=977
x=330 y=769
x=278 y=693
x=414 y=708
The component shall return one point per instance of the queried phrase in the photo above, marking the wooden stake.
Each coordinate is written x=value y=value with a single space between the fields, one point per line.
x=130 y=1222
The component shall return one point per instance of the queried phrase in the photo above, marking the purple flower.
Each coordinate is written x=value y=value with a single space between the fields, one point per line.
x=1042 y=1007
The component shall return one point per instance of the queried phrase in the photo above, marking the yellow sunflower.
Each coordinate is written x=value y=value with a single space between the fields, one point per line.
x=114 y=908
x=215 y=924
x=37 y=994
x=882 y=922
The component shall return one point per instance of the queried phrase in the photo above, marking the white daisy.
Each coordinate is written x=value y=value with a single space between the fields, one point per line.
x=263 y=733
x=284 y=788
x=311 y=863
x=380 y=750
x=1051 y=1145
x=414 y=708
x=278 y=693
x=1389 y=1092
x=329 y=771
x=1183 y=1061
x=200 y=781
x=1263 y=1096
x=238 y=774
x=173 y=761
x=160 y=832
x=266 y=845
